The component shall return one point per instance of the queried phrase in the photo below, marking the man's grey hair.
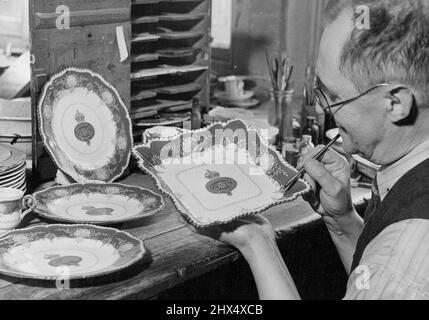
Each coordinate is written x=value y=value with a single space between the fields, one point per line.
x=395 y=49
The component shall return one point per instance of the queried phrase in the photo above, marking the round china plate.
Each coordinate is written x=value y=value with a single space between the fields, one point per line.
x=101 y=204
x=13 y=180
x=10 y=158
x=85 y=126
x=52 y=252
x=244 y=104
x=14 y=170
x=16 y=184
x=13 y=175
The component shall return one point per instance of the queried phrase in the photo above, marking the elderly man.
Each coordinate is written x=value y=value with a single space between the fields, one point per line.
x=375 y=83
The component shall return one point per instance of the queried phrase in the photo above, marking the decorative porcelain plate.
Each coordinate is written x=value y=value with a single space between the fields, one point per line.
x=220 y=173
x=85 y=126
x=101 y=204
x=52 y=252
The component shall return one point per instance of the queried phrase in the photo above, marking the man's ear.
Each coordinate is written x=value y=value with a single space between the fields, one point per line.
x=401 y=101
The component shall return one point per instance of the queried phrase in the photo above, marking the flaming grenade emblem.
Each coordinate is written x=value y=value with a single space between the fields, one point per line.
x=84 y=131
x=218 y=184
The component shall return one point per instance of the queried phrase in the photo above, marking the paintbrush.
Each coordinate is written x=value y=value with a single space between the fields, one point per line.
x=317 y=157
x=270 y=69
x=286 y=87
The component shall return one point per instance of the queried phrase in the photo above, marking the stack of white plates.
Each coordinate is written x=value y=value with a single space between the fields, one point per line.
x=12 y=168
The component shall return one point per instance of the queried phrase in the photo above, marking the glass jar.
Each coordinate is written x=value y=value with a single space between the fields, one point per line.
x=281 y=116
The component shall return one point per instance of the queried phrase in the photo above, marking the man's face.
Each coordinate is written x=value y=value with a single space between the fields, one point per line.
x=361 y=122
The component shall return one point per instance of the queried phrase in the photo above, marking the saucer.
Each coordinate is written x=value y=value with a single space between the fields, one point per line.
x=247 y=104
x=221 y=95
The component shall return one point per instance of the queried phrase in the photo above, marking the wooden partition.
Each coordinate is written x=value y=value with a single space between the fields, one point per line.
x=90 y=41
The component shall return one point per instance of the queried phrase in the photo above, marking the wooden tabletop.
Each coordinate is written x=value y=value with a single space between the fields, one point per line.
x=175 y=255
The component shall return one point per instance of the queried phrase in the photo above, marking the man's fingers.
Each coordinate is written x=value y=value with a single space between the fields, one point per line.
x=323 y=177
x=310 y=181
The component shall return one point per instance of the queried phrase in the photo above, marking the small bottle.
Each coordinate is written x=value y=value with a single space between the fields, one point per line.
x=296 y=128
x=312 y=129
x=305 y=146
x=196 y=114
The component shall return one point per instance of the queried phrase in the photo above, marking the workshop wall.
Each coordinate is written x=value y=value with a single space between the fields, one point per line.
x=275 y=25
x=14 y=25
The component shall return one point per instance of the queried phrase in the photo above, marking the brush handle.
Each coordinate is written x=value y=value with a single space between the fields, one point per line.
x=317 y=157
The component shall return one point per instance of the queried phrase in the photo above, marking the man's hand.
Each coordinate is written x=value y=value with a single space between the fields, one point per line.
x=255 y=238
x=241 y=234
x=330 y=182
x=331 y=198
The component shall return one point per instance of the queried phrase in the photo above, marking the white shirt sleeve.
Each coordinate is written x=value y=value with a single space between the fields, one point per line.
x=395 y=265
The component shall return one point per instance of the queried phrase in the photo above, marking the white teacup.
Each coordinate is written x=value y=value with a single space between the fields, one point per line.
x=14 y=207
x=234 y=87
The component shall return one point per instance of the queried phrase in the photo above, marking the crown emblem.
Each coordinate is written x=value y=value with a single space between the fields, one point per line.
x=211 y=175
x=79 y=117
x=218 y=184
x=84 y=131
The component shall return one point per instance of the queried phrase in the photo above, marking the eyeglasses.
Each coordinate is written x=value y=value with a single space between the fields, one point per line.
x=322 y=101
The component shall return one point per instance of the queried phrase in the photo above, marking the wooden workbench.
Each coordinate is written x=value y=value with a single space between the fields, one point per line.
x=175 y=255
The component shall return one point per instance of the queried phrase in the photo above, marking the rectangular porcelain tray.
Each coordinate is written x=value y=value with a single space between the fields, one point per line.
x=219 y=174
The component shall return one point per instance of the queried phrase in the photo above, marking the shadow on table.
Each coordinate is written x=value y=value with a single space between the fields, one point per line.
x=311 y=258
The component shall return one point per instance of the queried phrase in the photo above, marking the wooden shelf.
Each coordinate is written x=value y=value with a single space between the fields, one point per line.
x=165 y=70
x=164 y=119
x=160 y=104
x=170 y=58
x=143 y=95
x=142 y=20
x=182 y=1
x=145 y=57
x=173 y=90
x=180 y=35
x=144 y=37
x=143 y=114
x=146 y=1
x=171 y=17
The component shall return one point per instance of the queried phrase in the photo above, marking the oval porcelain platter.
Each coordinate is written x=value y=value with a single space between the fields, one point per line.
x=85 y=126
x=52 y=252
x=219 y=174
x=101 y=204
